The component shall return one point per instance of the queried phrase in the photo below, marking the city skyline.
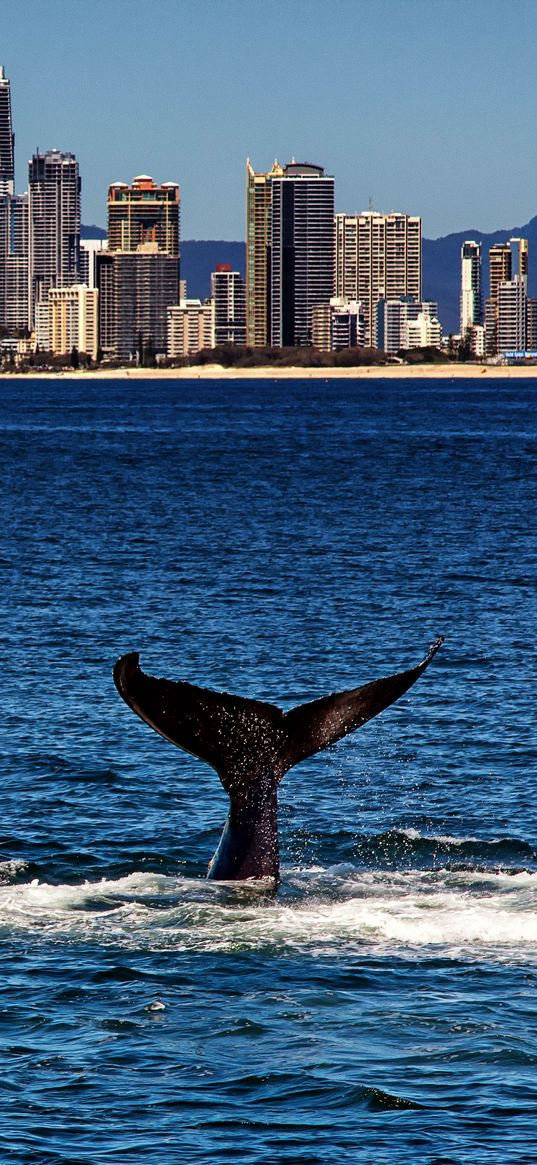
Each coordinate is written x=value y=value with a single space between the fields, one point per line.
x=398 y=112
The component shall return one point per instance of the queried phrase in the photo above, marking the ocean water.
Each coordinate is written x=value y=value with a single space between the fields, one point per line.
x=280 y=540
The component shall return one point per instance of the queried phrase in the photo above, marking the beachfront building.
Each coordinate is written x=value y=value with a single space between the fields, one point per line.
x=338 y=324
x=191 y=328
x=14 y=263
x=506 y=306
x=68 y=320
x=377 y=257
x=54 y=224
x=512 y=316
x=301 y=253
x=290 y=252
x=135 y=290
x=395 y=318
x=425 y=331
x=138 y=274
x=471 y=307
x=258 y=247
x=228 y=293
x=7 y=138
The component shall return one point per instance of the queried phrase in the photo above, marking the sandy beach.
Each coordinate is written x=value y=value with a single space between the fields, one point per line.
x=373 y=372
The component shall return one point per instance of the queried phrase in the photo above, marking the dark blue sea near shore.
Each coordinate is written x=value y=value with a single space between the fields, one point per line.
x=281 y=540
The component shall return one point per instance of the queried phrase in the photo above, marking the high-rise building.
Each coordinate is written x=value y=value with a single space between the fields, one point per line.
x=289 y=252
x=54 y=224
x=190 y=327
x=13 y=227
x=228 y=293
x=512 y=315
x=470 y=285
x=505 y=314
x=500 y=260
x=258 y=251
x=135 y=290
x=138 y=275
x=14 y=263
x=377 y=256
x=301 y=251
x=144 y=213
x=67 y=320
x=7 y=138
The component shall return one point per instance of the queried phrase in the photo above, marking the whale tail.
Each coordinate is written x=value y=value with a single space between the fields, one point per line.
x=249 y=741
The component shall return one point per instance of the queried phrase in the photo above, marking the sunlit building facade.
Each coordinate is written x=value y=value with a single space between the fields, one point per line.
x=377 y=256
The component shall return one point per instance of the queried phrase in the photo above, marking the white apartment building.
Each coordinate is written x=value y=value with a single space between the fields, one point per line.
x=89 y=248
x=423 y=332
x=393 y=318
x=512 y=315
x=190 y=327
x=68 y=319
x=470 y=285
x=377 y=256
x=228 y=293
x=338 y=324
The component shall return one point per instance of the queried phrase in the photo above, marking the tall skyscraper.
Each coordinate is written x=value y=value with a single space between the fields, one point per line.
x=144 y=213
x=54 y=223
x=135 y=290
x=289 y=252
x=138 y=275
x=14 y=263
x=258 y=252
x=377 y=256
x=470 y=285
x=301 y=251
x=7 y=138
x=228 y=294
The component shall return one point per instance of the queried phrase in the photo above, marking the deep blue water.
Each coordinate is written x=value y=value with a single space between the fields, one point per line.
x=281 y=540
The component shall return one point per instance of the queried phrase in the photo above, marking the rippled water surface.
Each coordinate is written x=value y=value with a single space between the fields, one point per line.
x=280 y=540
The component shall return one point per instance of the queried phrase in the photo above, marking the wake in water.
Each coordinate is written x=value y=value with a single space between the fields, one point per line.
x=450 y=911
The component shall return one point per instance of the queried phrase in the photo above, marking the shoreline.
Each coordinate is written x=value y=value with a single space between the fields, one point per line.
x=218 y=372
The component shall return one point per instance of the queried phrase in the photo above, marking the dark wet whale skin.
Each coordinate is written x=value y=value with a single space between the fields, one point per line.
x=252 y=745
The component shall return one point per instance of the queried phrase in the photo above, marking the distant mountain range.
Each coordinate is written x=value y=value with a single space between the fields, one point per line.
x=441 y=264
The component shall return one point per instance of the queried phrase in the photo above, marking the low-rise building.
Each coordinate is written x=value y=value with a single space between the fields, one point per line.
x=424 y=331
x=396 y=316
x=338 y=324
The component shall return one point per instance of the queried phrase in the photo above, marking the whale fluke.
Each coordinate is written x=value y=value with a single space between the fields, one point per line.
x=251 y=744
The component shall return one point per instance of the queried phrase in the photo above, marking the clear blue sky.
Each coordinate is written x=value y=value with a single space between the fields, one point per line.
x=424 y=106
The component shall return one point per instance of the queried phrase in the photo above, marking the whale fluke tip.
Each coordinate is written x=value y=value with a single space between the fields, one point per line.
x=124 y=668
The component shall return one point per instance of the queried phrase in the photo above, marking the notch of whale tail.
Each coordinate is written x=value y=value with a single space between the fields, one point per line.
x=251 y=744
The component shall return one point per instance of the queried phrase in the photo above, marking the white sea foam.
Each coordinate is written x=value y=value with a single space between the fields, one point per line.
x=474 y=914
